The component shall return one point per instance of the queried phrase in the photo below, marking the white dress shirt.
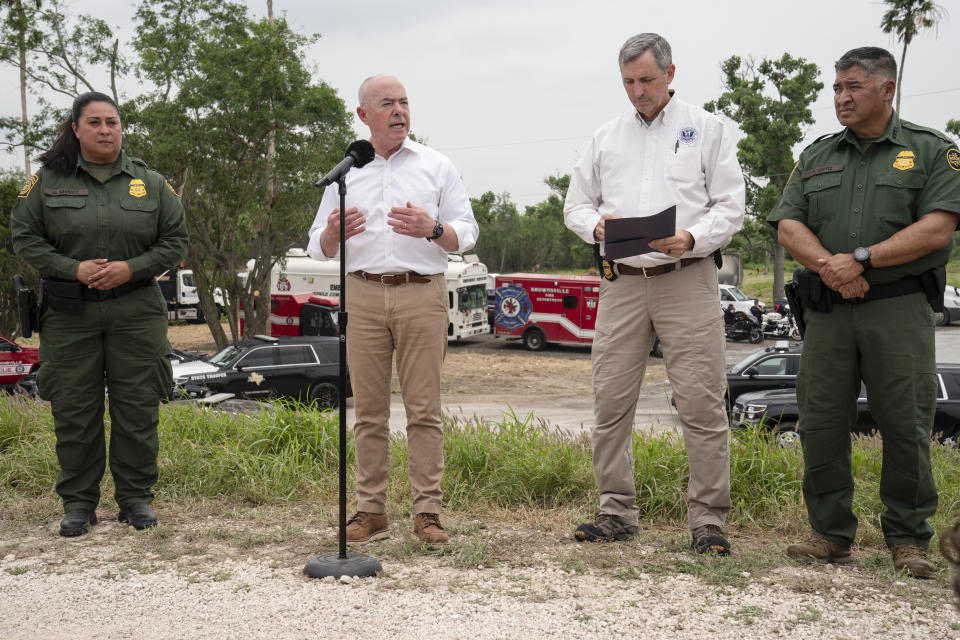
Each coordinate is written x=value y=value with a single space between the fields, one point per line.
x=632 y=168
x=416 y=174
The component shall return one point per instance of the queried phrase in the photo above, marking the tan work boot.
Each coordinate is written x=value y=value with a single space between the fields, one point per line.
x=367 y=527
x=428 y=529
x=819 y=549
x=913 y=559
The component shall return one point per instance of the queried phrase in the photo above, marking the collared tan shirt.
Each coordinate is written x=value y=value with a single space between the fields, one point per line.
x=852 y=193
x=61 y=220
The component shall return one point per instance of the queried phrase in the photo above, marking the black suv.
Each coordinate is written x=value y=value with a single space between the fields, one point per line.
x=777 y=410
x=770 y=368
x=304 y=368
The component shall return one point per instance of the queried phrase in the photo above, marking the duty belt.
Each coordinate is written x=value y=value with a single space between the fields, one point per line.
x=392 y=279
x=909 y=284
x=659 y=270
x=95 y=295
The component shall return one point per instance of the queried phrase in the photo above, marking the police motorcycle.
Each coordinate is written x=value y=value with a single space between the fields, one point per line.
x=779 y=325
x=741 y=326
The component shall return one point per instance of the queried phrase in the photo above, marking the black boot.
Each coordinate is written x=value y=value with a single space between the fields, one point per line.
x=75 y=521
x=139 y=515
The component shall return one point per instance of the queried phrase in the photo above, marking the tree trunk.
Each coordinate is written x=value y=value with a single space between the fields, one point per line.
x=778 y=259
x=903 y=59
x=23 y=86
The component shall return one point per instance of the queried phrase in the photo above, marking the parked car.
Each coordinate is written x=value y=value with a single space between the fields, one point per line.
x=776 y=411
x=16 y=362
x=730 y=294
x=951 y=307
x=304 y=368
x=769 y=368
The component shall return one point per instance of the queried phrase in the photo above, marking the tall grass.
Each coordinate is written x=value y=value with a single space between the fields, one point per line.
x=517 y=462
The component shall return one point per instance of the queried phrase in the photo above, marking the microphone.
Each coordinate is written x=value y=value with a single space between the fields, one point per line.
x=358 y=154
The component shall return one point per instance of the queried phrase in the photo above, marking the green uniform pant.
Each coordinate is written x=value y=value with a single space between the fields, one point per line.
x=889 y=344
x=121 y=343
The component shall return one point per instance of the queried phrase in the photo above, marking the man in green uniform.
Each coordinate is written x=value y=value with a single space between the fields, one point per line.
x=870 y=212
x=98 y=226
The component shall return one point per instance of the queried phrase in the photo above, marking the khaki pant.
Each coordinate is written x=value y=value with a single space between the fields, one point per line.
x=683 y=309
x=411 y=319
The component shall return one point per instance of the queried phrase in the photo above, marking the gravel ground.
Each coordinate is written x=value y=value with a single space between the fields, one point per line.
x=199 y=578
x=226 y=572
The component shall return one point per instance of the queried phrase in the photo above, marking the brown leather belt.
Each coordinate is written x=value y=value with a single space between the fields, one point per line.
x=659 y=270
x=392 y=279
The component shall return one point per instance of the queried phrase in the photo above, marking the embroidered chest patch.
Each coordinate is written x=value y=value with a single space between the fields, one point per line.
x=137 y=188
x=904 y=160
x=687 y=135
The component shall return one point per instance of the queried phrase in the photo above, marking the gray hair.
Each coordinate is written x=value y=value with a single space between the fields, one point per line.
x=873 y=60
x=639 y=44
x=364 y=90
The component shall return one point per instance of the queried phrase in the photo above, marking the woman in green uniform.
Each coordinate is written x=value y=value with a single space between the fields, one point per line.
x=99 y=225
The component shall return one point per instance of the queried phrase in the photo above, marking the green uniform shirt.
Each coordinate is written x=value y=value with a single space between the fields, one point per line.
x=851 y=193
x=61 y=220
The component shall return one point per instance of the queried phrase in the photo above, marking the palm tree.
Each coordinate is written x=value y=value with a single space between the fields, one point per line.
x=906 y=18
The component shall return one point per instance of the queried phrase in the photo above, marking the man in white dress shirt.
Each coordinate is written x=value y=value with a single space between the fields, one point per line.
x=663 y=152
x=405 y=210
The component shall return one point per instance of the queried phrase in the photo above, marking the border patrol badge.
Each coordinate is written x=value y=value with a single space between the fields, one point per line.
x=31 y=181
x=137 y=188
x=953 y=159
x=904 y=160
x=513 y=306
x=687 y=135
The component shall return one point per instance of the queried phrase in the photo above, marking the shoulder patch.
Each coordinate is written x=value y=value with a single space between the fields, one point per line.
x=172 y=190
x=953 y=158
x=28 y=187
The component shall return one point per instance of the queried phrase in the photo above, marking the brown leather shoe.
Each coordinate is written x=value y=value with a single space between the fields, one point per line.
x=367 y=527
x=819 y=549
x=913 y=559
x=428 y=529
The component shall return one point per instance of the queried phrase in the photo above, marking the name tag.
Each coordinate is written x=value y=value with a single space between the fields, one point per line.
x=64 y=192
x=809 y=173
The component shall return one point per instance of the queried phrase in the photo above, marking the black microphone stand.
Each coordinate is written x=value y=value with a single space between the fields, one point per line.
x=336 y=565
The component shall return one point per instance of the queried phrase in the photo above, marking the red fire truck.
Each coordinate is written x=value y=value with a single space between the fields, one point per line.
x=540 y=308
x=302 y=314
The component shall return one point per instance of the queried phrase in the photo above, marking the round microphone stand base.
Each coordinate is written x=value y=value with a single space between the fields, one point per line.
x=355 y=565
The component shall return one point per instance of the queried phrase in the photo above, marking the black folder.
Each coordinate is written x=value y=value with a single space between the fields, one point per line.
x=625 y=237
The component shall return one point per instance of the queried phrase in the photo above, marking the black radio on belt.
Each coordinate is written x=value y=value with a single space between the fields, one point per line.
x=27 y=306
x=607 y=268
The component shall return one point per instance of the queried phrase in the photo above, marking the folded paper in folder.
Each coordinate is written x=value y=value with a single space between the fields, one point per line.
x=625 y=237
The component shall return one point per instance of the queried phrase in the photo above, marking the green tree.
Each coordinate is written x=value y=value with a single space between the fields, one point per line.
x=54 y=52
x=10 y=264
x=907 y=18
x=496 y=216
x=953 y=128
x=771 y=104
x=228 y=86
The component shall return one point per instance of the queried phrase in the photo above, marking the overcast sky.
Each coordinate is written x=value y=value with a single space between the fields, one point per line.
x=511 y=91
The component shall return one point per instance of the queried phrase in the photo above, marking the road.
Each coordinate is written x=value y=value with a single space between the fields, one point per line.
x=574 y=413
